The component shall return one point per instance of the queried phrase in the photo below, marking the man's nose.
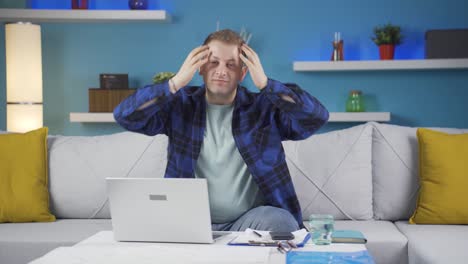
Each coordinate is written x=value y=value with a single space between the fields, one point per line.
x=220 y=71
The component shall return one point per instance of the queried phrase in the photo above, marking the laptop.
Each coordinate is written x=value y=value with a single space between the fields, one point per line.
x=160 y=210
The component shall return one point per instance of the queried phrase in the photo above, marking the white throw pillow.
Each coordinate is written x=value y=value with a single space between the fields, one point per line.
x=332 y=173
x=78 y=167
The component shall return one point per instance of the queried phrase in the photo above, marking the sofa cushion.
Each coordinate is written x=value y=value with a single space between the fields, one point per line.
x=435 y=244
x=23 y=242
x=443 y=178
x=24 y=195
x=386 y=244
x=78 y=167
x=395 y=170
x=328 y=169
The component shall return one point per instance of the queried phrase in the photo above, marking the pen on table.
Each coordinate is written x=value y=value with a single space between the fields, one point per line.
x=257 y=233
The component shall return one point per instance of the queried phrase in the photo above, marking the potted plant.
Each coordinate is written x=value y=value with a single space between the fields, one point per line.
x=387 y=37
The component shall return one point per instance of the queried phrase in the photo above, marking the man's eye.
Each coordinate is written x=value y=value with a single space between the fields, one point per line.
x=230 y=65
x=214 y=62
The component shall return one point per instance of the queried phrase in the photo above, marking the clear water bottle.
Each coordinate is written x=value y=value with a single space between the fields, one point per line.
x=355 y=102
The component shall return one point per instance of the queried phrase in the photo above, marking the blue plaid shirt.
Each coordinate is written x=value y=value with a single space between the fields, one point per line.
x=260 y=121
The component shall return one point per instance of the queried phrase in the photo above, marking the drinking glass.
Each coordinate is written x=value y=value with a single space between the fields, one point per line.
x=321 y=228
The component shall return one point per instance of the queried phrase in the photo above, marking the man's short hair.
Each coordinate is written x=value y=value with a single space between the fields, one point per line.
x=226 y=35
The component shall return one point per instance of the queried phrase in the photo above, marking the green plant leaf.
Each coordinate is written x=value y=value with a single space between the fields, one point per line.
x=162 y=77
x=387 y=34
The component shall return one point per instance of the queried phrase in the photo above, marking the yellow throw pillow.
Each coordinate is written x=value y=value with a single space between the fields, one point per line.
x=443 y=178
x=24 y=195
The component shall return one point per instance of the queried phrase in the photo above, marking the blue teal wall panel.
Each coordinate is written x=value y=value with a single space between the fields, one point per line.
x=75 y=53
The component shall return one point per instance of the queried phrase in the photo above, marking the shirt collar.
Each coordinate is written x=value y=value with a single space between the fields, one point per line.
x=243 y=96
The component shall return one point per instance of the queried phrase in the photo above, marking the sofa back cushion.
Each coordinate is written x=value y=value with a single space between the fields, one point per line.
x=79 y=165
x=332 y=173
x=395 y=170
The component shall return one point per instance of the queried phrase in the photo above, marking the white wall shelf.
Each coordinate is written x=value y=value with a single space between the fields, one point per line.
x=91 y=15
x=359 y=116
x=380 y=65
x=92 y=117
x=334 y=117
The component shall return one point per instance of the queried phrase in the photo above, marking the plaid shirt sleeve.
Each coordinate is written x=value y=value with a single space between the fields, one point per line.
x=151 y=120
x=300 y=119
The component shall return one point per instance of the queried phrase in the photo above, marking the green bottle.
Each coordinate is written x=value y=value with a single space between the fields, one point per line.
x=355 y=102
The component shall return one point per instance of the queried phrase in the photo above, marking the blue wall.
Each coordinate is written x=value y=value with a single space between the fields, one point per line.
x=283 y=32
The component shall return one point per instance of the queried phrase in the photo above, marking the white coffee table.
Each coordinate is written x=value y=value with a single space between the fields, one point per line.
x=102 y=247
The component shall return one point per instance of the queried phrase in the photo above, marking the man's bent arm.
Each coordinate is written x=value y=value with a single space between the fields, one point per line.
x=147 y=110
x=301 y=114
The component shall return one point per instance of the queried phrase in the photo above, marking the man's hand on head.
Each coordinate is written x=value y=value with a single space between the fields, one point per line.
x=255 y=66
x=196 y=58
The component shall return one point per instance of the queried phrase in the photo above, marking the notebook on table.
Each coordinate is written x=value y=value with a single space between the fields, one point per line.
x=348 y=236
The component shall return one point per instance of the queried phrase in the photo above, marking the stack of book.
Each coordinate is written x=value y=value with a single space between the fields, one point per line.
x=348 y=236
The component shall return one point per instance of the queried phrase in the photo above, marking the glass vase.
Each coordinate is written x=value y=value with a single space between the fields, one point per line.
x=355 y=102
x=79 y=4
x=138 y=4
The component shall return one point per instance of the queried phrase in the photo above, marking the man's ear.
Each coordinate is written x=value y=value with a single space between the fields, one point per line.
x=244 y=70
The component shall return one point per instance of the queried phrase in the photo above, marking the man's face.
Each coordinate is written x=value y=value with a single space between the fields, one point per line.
x=222 y=72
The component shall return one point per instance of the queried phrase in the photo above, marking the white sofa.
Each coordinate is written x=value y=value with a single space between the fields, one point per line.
x=366 y=176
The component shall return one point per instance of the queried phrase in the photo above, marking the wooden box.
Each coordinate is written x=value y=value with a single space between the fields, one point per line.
x=105 y=100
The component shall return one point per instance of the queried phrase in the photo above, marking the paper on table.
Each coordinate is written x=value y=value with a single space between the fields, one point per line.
x=300 y=237
x=117 y=254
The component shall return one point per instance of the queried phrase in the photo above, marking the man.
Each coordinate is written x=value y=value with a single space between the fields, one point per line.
x=229 y=135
